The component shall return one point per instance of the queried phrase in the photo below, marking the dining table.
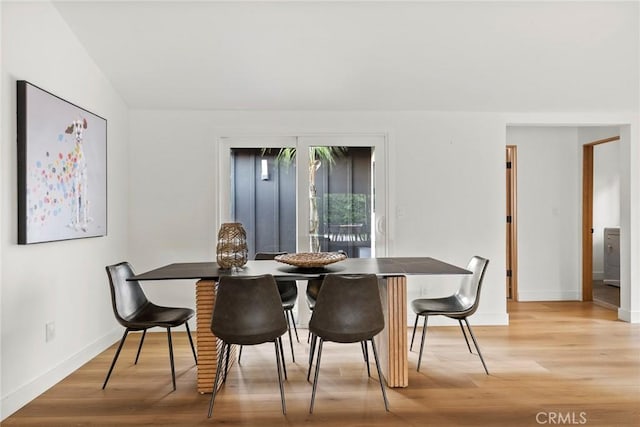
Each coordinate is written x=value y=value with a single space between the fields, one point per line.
x=392 y=275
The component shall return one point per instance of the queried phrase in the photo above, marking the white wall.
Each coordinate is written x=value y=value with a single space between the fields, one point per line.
x=63 y=282
x=606 y=198
x=446 y=178
x=446 y=175
x=630 y=222
x=548 y=212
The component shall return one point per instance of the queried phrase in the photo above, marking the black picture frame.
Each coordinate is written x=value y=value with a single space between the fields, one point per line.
x=62 y=168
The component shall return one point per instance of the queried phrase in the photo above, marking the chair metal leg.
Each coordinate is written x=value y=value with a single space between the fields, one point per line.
x=239 y=354
x=464 y=334
x=312 y=350
x=476 y=344
x=381 y=379
x=226 y=363
x=193 y=349
x=173 y=370
x=215 y=382
x=415 y=326
x=308 y=330
x=315 y=378
x=278 y=357
x=365 y=353
x=144 y=333
x=293 y=322
x=293 y=357
x=424 y=331
x=115 y=357
x=284 y=367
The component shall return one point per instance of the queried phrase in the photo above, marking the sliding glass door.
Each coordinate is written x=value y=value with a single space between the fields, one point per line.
x=306 y=193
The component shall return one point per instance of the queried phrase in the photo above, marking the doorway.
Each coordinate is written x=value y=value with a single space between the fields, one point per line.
x=588 y=155
x=348 y=211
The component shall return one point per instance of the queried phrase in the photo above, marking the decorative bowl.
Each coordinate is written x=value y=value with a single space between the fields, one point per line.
x=311 y=259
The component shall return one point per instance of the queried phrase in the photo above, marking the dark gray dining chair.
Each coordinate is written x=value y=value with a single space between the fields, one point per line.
x=247 y=311
x=347 y=310
x=311 y=293
x=462 y=304
x=135 y=312
x=288 y=290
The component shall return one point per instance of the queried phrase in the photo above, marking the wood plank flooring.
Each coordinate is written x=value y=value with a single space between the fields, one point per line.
x=556 y=363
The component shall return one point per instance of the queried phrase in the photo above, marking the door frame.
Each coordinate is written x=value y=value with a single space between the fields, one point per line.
x=587 y=216
x=512 y=237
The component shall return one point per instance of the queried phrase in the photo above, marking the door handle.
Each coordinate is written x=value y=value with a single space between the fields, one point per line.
x=380 y=225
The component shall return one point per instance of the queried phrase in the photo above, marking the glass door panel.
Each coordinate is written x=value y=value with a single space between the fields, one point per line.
x=329 y=196
x=346 y=205
x=342 y=202
x=258 y=191
x=263 y=199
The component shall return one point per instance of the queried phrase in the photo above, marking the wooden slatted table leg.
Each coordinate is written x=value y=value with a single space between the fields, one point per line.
x=208 y=346
x=392 y=341
x=207 y=343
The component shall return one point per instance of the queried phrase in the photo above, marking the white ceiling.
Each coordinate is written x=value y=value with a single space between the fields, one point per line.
x=477 y=56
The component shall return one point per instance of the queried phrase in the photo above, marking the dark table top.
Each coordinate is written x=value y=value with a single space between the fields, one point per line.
x=381 y=267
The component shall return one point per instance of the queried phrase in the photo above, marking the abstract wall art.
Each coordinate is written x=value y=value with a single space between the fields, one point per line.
x=62 y=168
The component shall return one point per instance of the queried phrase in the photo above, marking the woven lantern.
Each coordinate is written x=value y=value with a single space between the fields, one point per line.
x=231 y=249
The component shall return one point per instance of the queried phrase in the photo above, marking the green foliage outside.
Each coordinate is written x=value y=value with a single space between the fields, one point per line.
x=344 y=208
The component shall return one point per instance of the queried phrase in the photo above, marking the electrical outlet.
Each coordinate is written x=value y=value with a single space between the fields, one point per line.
x=50 y=331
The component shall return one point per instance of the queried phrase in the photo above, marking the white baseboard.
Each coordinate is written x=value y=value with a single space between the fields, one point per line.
x=629 y=316
x=25 y=394
x=549 y=296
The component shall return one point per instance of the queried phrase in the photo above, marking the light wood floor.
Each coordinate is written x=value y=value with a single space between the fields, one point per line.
x=570 y=362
